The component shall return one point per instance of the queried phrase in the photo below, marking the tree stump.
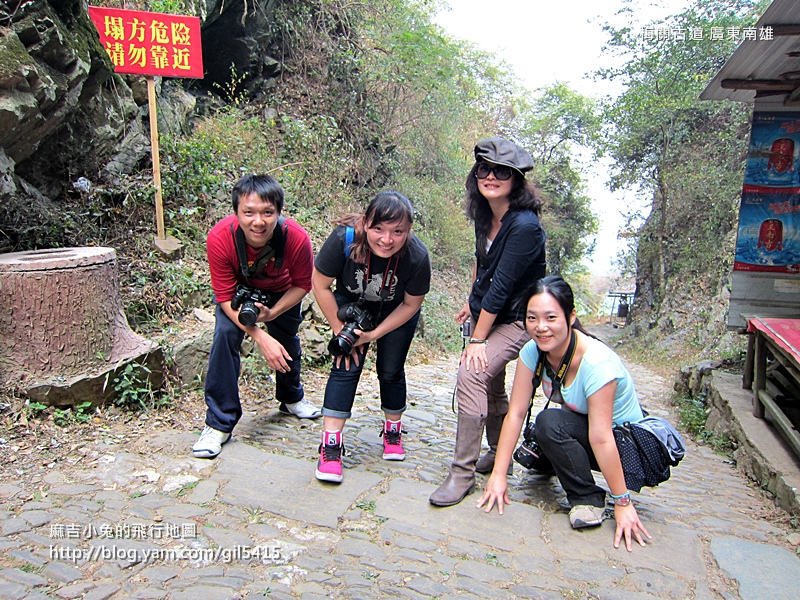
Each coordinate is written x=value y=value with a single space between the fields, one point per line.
x=64 y=335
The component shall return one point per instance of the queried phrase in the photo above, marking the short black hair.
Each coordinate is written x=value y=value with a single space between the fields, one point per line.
x=265 y=186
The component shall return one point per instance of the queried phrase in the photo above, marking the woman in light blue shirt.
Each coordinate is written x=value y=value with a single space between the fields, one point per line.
x=595 y=390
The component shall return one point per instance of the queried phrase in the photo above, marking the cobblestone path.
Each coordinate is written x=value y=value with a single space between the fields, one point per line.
x=146 y=520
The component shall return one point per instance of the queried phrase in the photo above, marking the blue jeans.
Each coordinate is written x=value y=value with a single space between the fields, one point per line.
x=224 y=362
x=564 y=438
x=340 y=392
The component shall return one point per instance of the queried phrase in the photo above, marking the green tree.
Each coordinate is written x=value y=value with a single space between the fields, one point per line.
x=658 y=124
x=568 y=218
x=683 y=154
x=555 y=125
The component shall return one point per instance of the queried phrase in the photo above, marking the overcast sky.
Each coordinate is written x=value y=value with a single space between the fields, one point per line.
x=546 y=42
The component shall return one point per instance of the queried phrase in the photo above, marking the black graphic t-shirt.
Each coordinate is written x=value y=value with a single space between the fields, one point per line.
x=411 y=274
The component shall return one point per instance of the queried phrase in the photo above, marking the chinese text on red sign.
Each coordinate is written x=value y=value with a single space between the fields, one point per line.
x=149 y=43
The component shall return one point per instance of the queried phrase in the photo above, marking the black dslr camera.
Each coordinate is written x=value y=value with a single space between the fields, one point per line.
x=354 y=317
x=530 y=455
x=246 y=297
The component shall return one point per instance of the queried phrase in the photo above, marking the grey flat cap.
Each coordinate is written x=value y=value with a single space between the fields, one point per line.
x=500 y=151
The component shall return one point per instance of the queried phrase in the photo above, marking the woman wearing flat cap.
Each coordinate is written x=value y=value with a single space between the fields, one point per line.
x=509 y=252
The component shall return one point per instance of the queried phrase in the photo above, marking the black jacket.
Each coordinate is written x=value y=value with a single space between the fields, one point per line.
x=515 y=260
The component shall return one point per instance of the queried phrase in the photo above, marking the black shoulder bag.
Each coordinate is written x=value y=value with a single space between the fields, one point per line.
x=272 y=250
x=647 y=450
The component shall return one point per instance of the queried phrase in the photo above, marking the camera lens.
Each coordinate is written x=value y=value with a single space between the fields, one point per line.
x=248 y=315
x=342 y=343
x=530 y=456
x=340 y=346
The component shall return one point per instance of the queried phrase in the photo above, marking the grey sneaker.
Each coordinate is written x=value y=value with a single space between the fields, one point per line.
x=210 y=443
x=302 y=410
x=585 y=515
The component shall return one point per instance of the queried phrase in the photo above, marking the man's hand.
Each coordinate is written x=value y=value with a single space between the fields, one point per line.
x=265 y=313
x=277 y=356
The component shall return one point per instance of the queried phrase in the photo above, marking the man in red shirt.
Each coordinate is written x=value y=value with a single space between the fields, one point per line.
x=261 y=266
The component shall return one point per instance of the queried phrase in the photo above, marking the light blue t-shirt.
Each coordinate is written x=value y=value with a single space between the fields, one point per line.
x=599 y=366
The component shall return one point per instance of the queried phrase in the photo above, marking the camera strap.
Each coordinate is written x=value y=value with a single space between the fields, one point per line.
x=557 y=378
x=383 y=293
x=272 y=250
x=537 y=381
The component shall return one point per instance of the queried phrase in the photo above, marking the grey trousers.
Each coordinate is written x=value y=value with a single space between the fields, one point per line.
x=484 y=392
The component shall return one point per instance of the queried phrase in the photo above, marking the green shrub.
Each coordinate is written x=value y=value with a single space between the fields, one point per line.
x=134 y=390
x=692 y=417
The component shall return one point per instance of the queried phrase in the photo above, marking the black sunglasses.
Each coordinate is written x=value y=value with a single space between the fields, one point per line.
x=501 y=172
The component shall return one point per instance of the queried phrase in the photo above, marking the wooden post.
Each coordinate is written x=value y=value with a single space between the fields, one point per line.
x=760 y=366
x=166 y=245
x=747 y=377
x=151 y=102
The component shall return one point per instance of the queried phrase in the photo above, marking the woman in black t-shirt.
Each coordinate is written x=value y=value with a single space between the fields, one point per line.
x=382 y=273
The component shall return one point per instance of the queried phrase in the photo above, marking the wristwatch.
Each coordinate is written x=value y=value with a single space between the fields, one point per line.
x=622 y=499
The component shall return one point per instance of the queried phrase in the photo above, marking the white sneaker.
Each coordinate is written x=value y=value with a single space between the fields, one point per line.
x=302 y=410
x=586 y=515
x=210 y=443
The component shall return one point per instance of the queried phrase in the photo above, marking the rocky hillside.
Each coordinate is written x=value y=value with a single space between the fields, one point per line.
x=309 y=83
x=64 y=114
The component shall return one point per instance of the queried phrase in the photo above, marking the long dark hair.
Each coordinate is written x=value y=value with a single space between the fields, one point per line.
x=386 y=207
x=555 y=286
x=524 y=195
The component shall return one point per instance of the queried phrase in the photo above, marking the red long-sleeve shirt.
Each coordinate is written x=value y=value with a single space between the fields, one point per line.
x=223 y=261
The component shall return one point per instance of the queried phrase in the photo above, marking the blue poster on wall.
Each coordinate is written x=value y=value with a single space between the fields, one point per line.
x=769 y=214
x=769 y=238
x=774 y=146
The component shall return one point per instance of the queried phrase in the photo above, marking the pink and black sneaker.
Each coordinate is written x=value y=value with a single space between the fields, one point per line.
x=393 y=441
x=329 y=467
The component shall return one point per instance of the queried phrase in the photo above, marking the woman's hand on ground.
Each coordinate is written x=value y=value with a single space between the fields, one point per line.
x=628 y=525
x=496 y=492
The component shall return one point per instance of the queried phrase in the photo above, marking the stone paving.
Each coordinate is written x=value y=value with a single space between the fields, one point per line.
x=148 y=520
